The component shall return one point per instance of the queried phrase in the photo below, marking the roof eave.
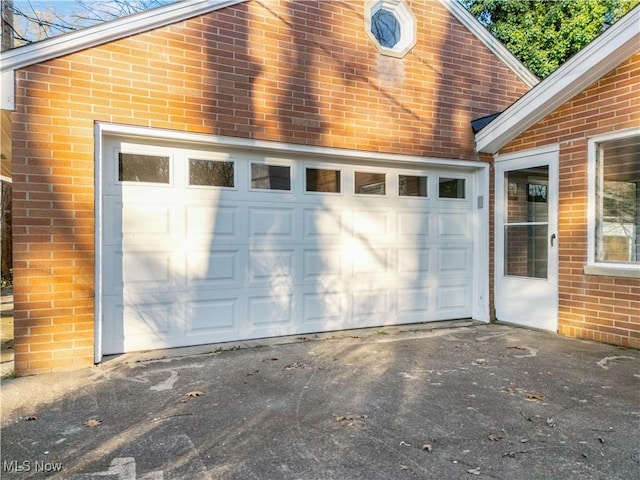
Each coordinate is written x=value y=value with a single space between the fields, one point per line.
x=106 y=32
x=613 y=47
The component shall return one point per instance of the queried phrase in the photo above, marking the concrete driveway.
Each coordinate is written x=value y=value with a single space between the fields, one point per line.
x=487 y=401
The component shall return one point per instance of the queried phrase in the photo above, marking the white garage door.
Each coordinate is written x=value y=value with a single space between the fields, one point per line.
x=211 y=246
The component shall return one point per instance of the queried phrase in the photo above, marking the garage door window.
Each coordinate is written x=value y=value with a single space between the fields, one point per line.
x=369 y=183
x=270 y=177
x=211 y=173
x=412 y=186
x=321 y=180
x=133 y=167
x=451 y=188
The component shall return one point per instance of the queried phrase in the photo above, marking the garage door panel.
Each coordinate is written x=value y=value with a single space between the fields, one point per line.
x=371 y=260
x=272 y=267
x=219 y=267
x=453 y=299
x=373 y=225
x=322 y=265
x=142 y=223
x=413 y=226
x=453 y=226
x=270 y=309
x=325 y=310
x=320 y=224
x=454 y=260
x=208 y=316
x=147 y=268
x=204 y=223
x=371 y=303
x=415 y=304
x=413 y=262
x=272 y=223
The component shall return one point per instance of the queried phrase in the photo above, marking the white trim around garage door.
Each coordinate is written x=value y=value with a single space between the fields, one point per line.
x=480 y=171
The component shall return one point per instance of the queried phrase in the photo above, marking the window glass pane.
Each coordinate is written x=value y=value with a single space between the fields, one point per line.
x=270 y=177
x=319 y=180
x=370 y=183
x=211 y=173
x=412 y=186
x=385 y=28
x=525 y=253
x=451 y=188
x=143 y=168
x=526 y=192
x=618 y=219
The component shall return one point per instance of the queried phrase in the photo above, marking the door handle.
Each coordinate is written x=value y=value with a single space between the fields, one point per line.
x=553 y=237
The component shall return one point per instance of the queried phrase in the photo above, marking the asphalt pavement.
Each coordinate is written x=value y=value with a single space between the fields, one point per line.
x=468 y=401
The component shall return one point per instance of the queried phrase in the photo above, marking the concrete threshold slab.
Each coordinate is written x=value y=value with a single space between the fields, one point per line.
x=382 y=333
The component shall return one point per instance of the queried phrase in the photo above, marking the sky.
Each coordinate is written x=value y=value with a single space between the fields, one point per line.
x=74 y=13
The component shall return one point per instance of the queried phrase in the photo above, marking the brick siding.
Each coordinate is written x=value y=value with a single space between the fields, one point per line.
x=601 y=308
x=298 y=72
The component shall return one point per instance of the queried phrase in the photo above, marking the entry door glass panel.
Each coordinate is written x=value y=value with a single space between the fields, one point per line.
x=526 y=226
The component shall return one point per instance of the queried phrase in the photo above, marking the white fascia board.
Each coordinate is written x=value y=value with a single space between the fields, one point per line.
x=493 y=44
x=109 y=31
x=613 y=47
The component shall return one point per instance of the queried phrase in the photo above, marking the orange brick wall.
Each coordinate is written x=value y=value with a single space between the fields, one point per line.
x=600 y=308
x=299 y=72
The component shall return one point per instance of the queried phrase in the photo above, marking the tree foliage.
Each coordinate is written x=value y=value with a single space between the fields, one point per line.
x=544 y=34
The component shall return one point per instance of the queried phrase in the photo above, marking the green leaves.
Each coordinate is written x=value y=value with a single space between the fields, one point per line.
x=543 y=34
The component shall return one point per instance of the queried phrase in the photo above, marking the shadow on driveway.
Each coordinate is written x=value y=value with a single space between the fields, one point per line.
x=488 y=401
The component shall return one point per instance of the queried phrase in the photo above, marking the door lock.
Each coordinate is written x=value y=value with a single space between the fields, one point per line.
x=553 y=237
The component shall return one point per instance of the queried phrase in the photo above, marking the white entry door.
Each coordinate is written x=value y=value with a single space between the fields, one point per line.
x=526 y=256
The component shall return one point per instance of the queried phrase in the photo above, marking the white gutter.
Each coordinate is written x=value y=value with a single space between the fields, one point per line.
x=614 y=46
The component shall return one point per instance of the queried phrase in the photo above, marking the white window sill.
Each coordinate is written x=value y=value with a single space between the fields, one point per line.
x=626 y=271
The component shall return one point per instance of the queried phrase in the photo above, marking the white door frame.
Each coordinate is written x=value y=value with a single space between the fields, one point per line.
x=480 y=170
x=548 y=155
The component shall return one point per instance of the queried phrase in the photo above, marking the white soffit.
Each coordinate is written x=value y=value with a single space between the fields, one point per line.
x=108 y=31
x=609 y=50
x=493 y=44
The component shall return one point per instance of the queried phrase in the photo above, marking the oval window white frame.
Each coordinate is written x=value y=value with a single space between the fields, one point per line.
x=405 y=18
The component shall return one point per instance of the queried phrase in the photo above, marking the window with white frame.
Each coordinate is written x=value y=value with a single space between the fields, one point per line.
x=615 y=200
x=391 y=26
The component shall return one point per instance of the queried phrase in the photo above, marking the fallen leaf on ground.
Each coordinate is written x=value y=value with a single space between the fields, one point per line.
x=551 y=422
x=495 y=437
x=92 y=423
x=270 y=359
x=427 y=447
x=534 y=396
x=194 y=394
x=509 y=390
x=404 y=468
x=518 y=348
x=31 y=418
x=348 y=420
x=474 y=471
